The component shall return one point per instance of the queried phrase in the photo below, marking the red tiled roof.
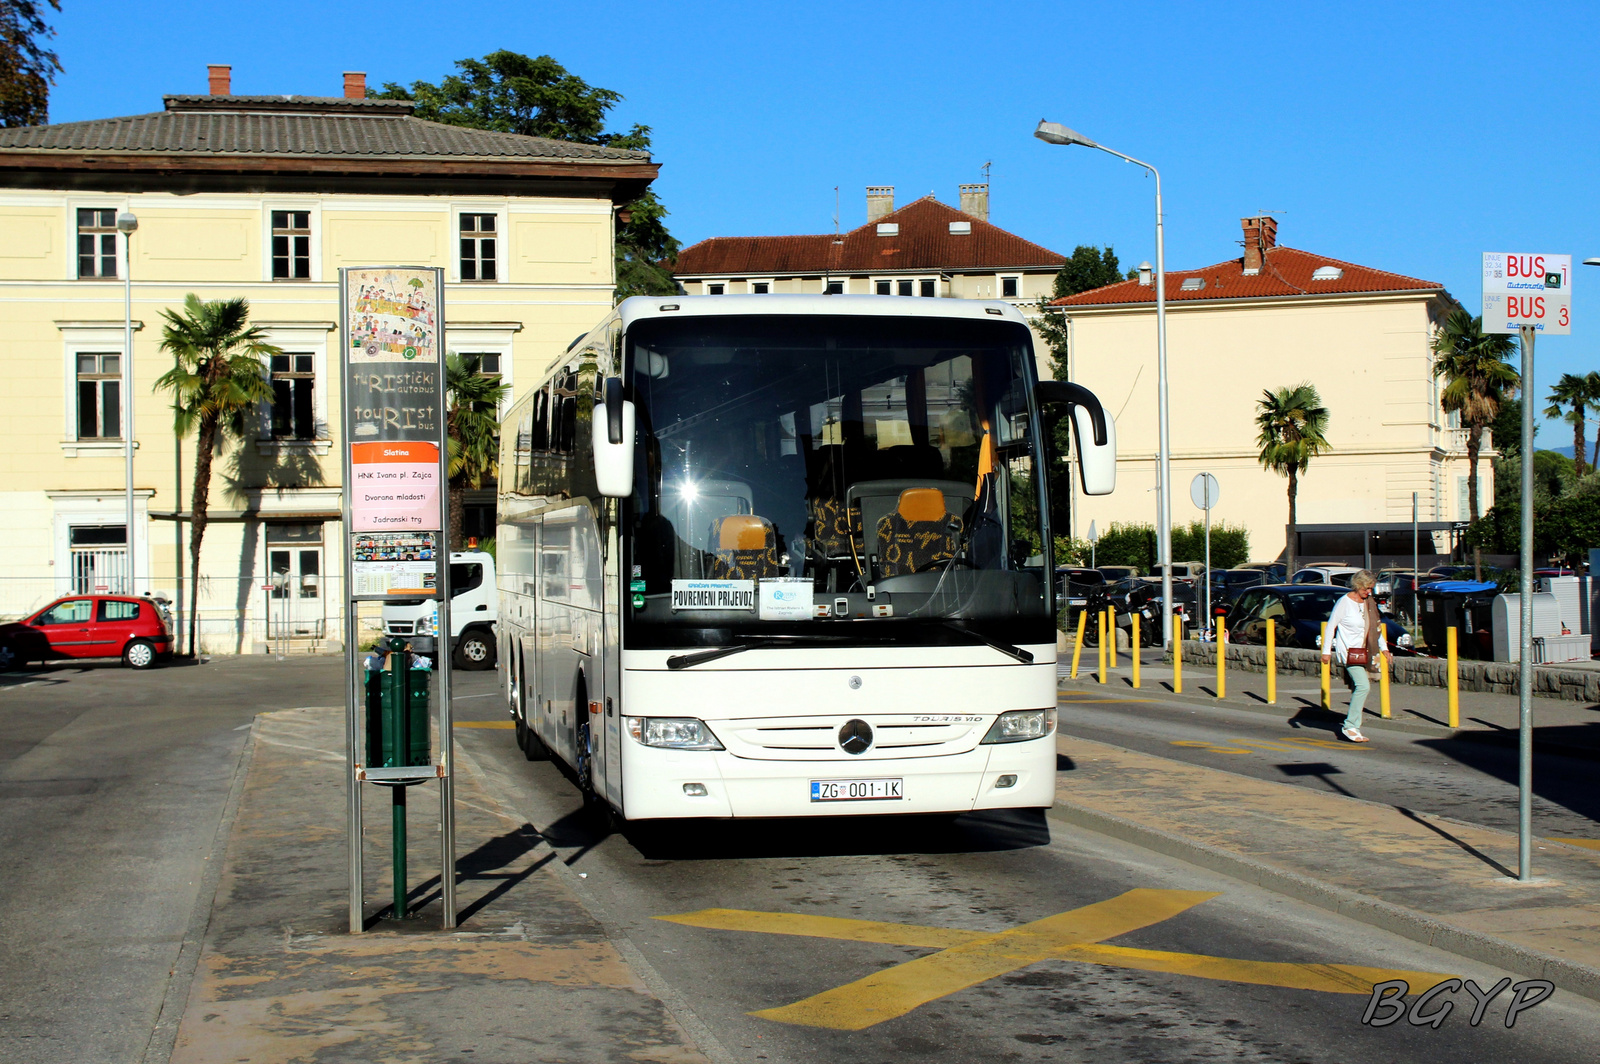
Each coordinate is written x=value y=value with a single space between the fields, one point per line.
x=1286 y=272
x=924 y=243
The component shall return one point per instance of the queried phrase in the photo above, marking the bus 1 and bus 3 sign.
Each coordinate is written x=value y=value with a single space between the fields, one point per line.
x=1530 y=291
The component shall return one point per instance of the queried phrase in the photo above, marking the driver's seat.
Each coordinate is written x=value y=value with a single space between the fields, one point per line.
x=919 y=534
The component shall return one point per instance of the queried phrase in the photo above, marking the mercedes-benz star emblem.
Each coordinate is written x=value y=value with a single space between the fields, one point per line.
x=855 y=736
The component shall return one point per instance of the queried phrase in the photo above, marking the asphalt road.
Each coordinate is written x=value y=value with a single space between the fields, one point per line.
x=112 y=786
x=983 y=873
x=1471 y=779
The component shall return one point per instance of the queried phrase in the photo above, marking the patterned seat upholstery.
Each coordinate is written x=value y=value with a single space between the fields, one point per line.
x=833 y=528
x=747 y=549
x=920 y=534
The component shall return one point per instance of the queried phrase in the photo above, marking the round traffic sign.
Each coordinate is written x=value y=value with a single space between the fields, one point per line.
x=1205 y=491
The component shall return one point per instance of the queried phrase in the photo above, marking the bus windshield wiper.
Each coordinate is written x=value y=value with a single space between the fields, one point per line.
x=1005 y=648
x=689 y=661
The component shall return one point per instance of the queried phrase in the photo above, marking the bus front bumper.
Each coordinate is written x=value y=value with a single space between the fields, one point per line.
x=664 y=783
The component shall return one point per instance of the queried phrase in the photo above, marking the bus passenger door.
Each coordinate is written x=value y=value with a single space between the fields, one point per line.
x=608 y=658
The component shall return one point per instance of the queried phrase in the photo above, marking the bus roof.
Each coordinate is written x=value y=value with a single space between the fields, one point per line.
x=638 y=308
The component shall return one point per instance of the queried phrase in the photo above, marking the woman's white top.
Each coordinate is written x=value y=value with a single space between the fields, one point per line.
x=1347 y=627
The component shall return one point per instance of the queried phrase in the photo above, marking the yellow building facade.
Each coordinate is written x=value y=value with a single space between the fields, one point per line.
x=1275 y=318
x=264 y=198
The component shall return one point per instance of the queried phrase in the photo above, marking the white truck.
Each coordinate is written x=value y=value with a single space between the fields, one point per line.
x=474 y=603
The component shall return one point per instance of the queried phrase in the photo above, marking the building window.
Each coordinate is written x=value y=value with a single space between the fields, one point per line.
x=903 y=288
x=715 y=289
x=97 y=242
x=293 y=381
x=291 y=245
x=99 y=397
x=884 y=288
x=477 y=247
x=760 y=288
x=833 y=288
x=488 y=363
x=1009 y=287
x=926 y=288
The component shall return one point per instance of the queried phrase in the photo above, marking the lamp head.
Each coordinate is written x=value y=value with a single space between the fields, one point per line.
x=1591 y=262
x=127 y=222
x=1056 y=133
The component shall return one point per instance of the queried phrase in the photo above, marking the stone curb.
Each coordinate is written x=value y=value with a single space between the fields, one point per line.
x=1386 y=916
x=1492 y=677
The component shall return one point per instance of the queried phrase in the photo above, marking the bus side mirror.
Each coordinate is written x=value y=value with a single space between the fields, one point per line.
x=613 y=442
x=1095 y=434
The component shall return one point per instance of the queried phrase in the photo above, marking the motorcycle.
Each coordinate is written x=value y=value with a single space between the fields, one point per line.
x=1142 y=599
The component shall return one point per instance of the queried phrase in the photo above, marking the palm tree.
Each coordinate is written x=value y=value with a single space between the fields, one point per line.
x=215 y=381
x=1570 y=398
x=1478 y=379
x=473 y=425
x=1592 y=381
x=1294 y=426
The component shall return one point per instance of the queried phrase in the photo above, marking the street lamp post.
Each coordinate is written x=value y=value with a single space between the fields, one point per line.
x=126 y=224
x=1055 y=133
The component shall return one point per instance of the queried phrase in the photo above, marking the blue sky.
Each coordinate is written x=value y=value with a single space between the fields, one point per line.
x=1408 y=137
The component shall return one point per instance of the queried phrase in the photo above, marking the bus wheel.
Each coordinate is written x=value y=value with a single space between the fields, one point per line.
x=533 y=747
x=584 y=751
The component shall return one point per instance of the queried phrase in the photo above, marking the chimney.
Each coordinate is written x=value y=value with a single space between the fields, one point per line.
x=355 y=84
x=1260 y=235
x=880 y=201
x=1145 y=274
x=975 y=201
x=221 y=78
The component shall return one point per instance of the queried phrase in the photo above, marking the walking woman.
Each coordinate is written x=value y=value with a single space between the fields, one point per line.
x=1355 y=636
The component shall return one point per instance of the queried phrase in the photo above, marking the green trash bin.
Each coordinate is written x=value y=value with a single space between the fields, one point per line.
x=397 y=712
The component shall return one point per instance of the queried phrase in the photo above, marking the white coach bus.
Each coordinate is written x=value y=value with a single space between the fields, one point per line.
x=770 y=556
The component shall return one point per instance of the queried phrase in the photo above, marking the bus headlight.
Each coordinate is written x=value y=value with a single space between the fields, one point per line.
x=1020 y=725
x=673 y=733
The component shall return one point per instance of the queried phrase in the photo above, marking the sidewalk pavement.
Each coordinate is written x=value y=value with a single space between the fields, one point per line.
x=1432 y=879
x=1560 y=726
x=280 y=978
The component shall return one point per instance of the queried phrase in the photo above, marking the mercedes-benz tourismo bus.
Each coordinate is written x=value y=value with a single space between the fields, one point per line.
x=766 y=556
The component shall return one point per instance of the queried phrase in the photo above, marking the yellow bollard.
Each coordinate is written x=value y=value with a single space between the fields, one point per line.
x=1177 y=653
x=1327 y=673
x=1272 y=663
x=1111 y=628
x=1383 y=686
x=1077 y=647
x=1100 y=621
x=1222 y=662
x=1134 y=648
x=1452 y=677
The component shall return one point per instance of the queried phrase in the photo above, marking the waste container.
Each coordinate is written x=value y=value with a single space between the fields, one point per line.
x=1463 y=605
x=397 y=707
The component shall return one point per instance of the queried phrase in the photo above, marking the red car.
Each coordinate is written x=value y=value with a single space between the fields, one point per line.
x=89 y=626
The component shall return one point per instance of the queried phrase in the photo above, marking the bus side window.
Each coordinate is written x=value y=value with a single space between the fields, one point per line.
x=540 y=439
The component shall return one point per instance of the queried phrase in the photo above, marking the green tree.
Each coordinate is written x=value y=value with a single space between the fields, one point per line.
x=538 y=97
x=1569 y=400
x=1478 y=381
x=1088 y=268
x=216 y=380
x=27 y=69
x=1230 y=544
x=473 y=428
x=1294 y=425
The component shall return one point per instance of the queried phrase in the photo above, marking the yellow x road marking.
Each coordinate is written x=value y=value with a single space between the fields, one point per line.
x=967 y=958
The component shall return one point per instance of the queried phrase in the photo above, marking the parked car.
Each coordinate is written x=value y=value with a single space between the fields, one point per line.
x=1450 y=572
x=1190 y=571
x=1297 y=611
x=1228 y=584
x=1338 y=575
x=90 y=626
x=1276 y=572
x=1115 y=573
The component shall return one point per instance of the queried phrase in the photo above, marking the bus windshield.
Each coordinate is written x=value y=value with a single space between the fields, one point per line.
x=863 y=478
